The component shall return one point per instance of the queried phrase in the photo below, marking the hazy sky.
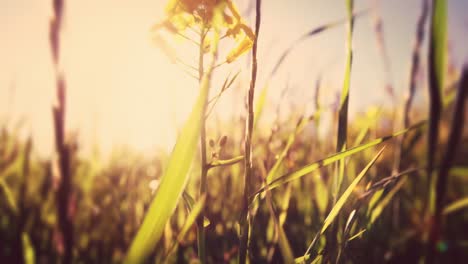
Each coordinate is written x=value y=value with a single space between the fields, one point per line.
x=123 y=90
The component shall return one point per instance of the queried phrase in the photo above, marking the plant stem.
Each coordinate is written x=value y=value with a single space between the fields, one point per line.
x=453 y=143
x=62 y=149
x=437 y=68
x=414 y=68
x=201 y=236
x=244 y=220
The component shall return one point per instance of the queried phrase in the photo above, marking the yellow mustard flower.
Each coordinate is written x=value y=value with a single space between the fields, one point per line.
x=183 y=14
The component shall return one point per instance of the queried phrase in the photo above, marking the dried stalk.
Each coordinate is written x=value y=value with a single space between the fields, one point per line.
x=248 y=177
x=62 y=150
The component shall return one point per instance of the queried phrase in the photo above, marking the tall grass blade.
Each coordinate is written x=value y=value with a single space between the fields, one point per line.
x=344 y=101
x=437 y=68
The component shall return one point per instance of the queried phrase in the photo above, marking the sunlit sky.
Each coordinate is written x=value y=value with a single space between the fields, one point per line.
x=123 y=90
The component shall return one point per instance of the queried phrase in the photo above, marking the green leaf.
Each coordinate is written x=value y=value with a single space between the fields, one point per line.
x=358 y=234
x=339 y=204
x=331 y=159
x=455 y=206
x=174 y=178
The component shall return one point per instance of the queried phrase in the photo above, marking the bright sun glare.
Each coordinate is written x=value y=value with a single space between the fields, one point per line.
x=122 y=90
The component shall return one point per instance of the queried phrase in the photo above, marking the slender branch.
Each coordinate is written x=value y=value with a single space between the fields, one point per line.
x=188 y=38
x=219 y=163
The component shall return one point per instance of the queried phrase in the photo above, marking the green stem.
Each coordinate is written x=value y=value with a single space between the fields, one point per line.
x=201 y=236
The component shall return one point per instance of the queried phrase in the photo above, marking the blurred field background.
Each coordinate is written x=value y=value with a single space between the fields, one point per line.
x=125 y=103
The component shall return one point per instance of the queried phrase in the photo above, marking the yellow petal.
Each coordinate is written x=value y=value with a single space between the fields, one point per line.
x=243 y=47
x=171 y=6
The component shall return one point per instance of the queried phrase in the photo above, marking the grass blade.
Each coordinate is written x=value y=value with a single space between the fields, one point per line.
x=190 y=203
x=8 y=196
x=344 y=101
x=292 y=137
x=189 y=222
x=455 y=206
x=339 y=204
x=29 y=252
x=191 y=218
x=437 y=67
x=358 y=234
x=330 y=160
x=278 y=222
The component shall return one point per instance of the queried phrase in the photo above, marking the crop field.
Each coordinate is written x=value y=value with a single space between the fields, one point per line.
x=234 y=131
